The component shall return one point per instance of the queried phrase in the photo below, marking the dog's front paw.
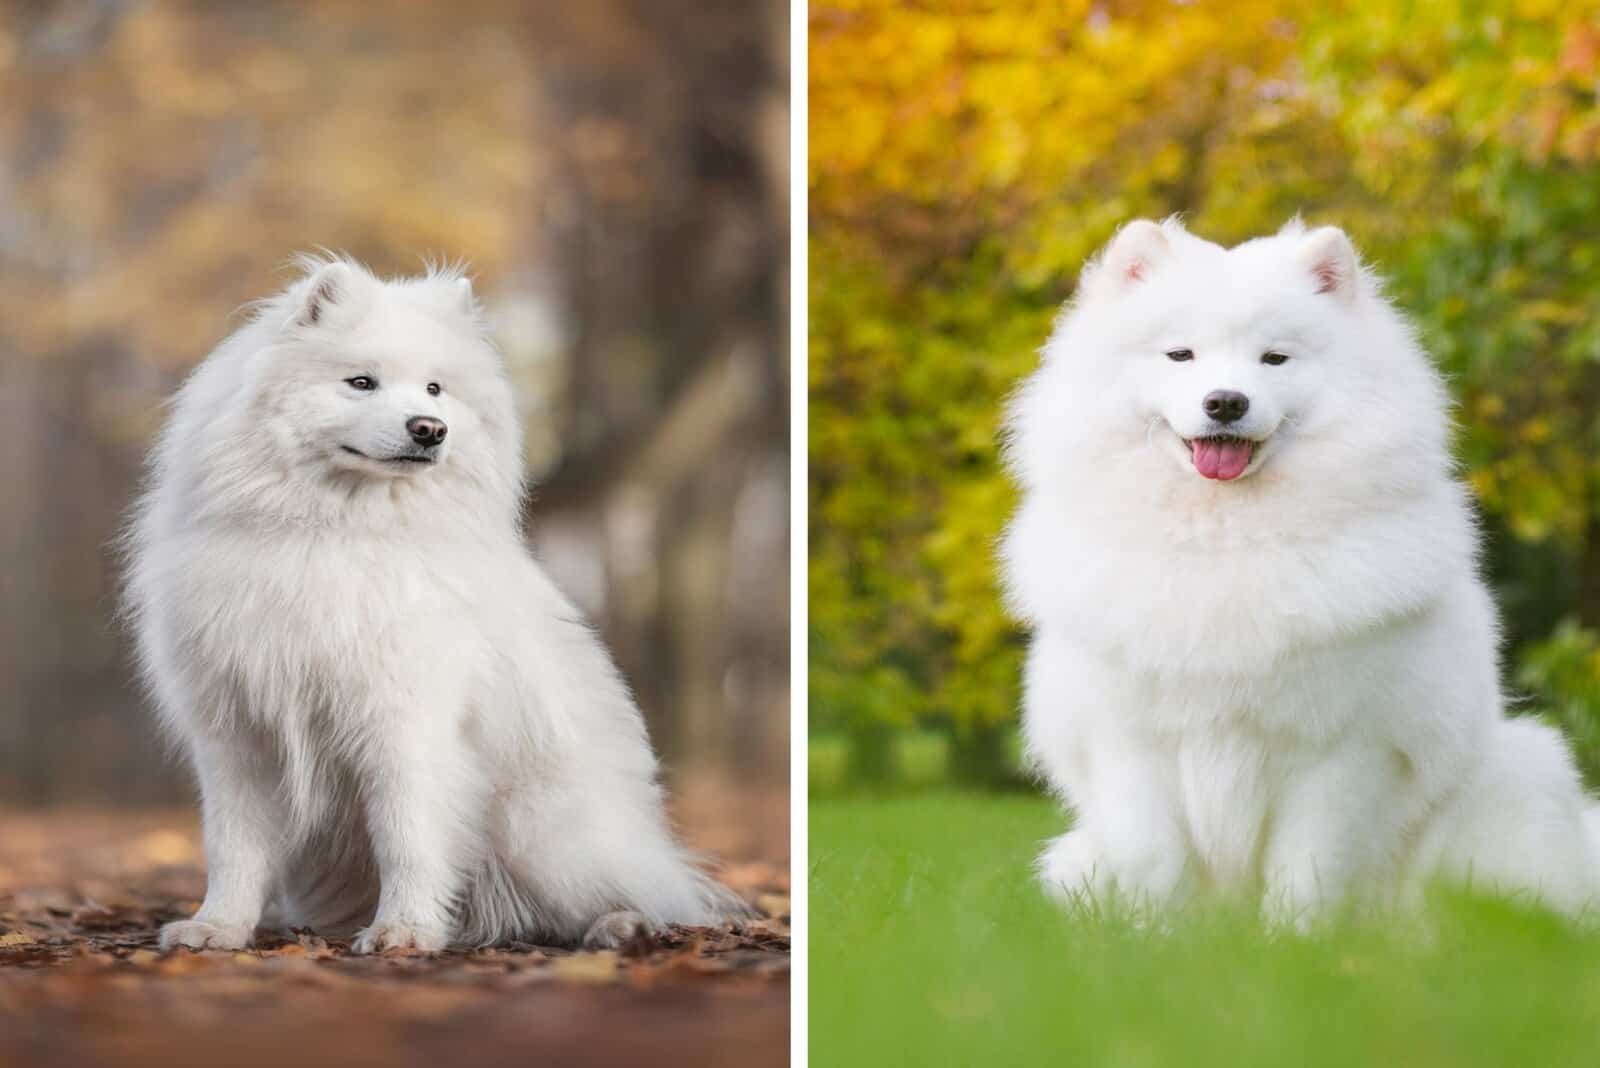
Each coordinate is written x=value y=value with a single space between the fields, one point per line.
x=385 y=935
x=198 y=934
x=1071 y=871
x=1296 y=901
x=616 y=929
x=1077 y=874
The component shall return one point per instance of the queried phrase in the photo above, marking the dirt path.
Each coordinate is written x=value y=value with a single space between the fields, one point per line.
x=83 y=892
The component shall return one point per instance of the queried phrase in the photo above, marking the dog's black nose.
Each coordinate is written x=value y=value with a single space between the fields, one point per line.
x=1225 y=405
x=426 y=431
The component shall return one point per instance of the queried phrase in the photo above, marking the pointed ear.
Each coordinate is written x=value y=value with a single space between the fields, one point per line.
x=1332 y=262
x=1133 y=253
x=465 y=298
x=327 y=290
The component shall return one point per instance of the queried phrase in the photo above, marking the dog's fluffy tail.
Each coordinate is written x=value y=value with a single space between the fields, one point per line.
x=561 y=862
x=1517 y=826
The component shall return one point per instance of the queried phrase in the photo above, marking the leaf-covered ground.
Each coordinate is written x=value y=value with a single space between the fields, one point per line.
x=83 y=892
x=931 y=946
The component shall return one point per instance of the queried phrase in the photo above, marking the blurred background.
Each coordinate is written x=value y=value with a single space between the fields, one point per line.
x=966 y=157
x=616 y=174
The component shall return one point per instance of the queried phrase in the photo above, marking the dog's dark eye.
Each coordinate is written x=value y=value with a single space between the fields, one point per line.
x=365 y=383
x=1180 y=355
x=1273 y=359
x=433 y=389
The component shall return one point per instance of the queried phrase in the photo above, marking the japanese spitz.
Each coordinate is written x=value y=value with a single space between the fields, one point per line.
x=1263 y=663
x=399 y=725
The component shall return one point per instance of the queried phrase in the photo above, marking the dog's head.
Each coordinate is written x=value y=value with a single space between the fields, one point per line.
x=365 y=380
x=1278 y=355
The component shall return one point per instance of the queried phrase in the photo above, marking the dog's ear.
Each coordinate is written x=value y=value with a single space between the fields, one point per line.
x=450 y=297
x=466 y=300
x=1137 y=249
x=1327 y=254
x=327 y=291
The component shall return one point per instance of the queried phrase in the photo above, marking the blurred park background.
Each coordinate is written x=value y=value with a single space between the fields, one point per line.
x=967 y=156
x=615 y=172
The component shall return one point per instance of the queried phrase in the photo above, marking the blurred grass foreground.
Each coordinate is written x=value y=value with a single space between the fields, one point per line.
x=615 y=173
x=967 y=157
x=931 y=945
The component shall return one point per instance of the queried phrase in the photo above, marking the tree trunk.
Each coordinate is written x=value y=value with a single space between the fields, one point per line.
x=1589 y=572
x=872 y=754
x=979 y=756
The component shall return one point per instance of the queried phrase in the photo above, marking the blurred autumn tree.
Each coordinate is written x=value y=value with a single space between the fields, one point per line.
x=614 y=171
x=967 y=156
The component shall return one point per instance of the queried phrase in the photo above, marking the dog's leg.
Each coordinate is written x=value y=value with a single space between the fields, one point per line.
x=1335 y=820
x=1145 y=852
x=421 y=792
x=243 y=838
x=1130 y=839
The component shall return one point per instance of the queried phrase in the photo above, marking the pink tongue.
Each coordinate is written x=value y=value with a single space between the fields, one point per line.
x=1221 y=459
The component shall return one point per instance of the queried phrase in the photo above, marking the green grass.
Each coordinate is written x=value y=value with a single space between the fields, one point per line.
x=930 y=945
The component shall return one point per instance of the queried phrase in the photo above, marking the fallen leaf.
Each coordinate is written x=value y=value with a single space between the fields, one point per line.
x=587 y=967
x=94 y=917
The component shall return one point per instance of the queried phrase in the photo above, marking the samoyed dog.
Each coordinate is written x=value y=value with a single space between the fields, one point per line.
x=1263 y=664
x=400 y=727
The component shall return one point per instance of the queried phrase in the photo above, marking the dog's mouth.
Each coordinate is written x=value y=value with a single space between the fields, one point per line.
x=1222 y=457
x=401 y=458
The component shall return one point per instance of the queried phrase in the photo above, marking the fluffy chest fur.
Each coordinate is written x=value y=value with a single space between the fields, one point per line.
x=343 y=614
x=1221 y=751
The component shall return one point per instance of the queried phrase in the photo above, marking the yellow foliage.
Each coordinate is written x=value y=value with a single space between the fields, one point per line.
x=190 y=162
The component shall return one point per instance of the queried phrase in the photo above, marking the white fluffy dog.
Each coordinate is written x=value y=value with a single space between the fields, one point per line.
x=398 y=723
x=1263 y=663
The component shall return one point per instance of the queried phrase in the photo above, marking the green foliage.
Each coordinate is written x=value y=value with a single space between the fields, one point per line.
x=906 y=624
x=931 y=945
x=1563 y=674
x=967 y=157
